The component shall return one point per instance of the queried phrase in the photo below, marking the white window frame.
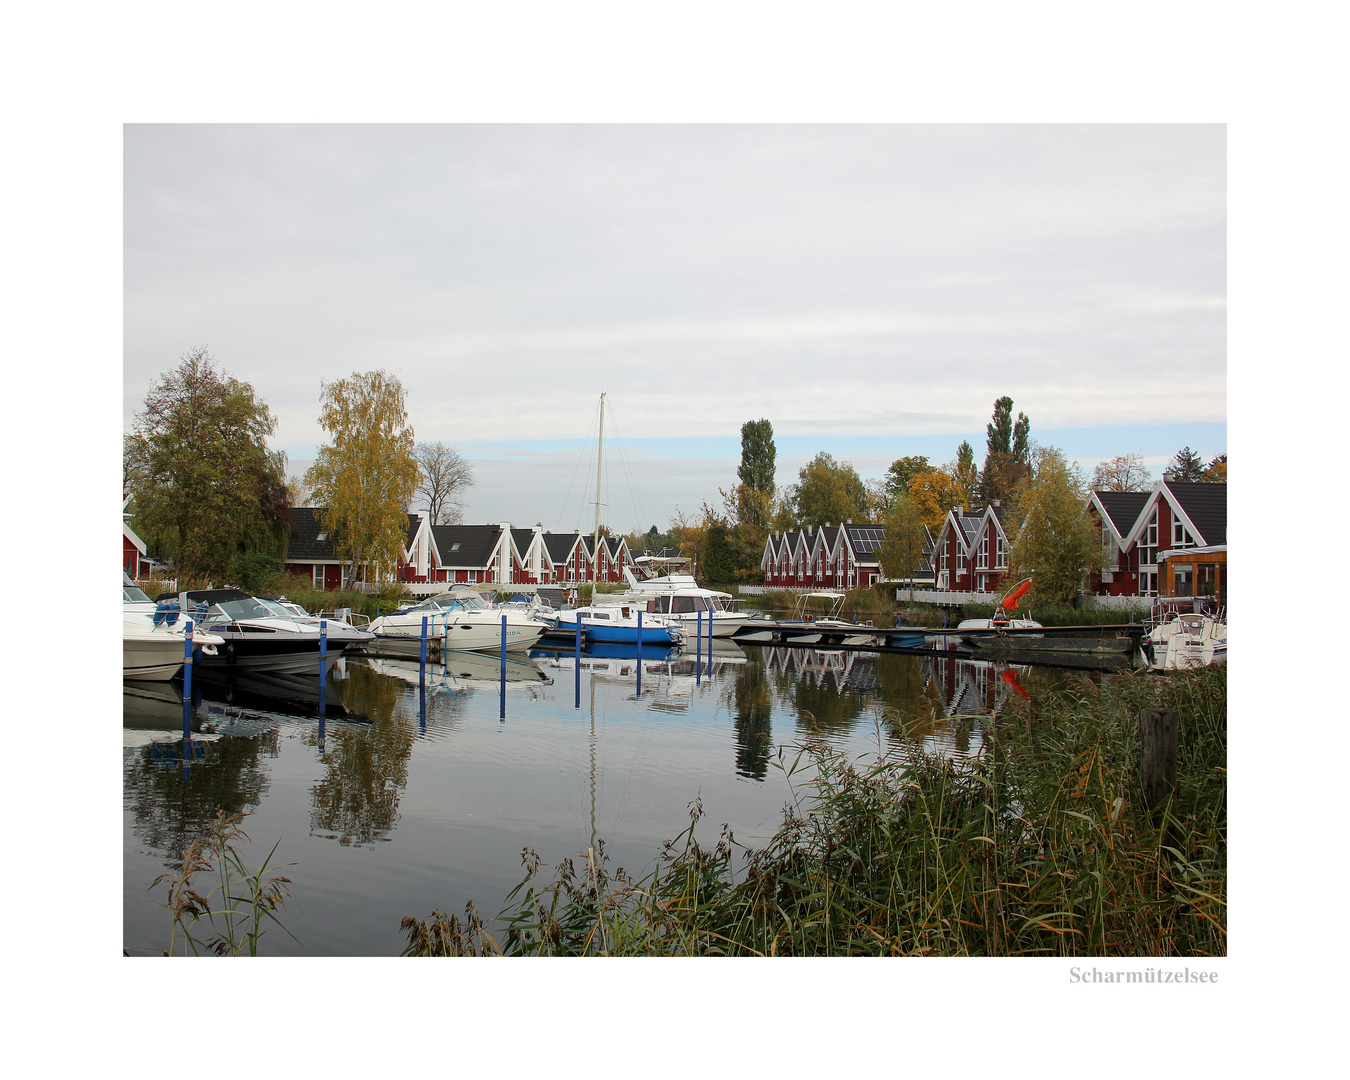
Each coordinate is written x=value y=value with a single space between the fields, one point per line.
x=982 y=556
x=318 y=576
x=1001 y=554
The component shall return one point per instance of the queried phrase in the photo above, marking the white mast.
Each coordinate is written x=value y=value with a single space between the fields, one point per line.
x=599 y=455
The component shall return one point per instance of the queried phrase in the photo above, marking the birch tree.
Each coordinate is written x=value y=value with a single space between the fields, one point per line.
x=369 y=473
x=445 y=477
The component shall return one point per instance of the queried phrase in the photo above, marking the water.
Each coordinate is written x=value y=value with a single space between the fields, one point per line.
x=403 y=797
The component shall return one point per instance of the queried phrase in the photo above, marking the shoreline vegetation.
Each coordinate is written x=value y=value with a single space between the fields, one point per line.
x=1039 y=846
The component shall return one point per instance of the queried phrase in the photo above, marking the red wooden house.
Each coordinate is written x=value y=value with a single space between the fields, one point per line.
x=1174 y=516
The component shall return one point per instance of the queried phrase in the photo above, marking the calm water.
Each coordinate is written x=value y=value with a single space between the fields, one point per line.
x=403 y=798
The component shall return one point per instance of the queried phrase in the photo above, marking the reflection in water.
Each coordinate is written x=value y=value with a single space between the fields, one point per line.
x=752 y=706
x=168 y=811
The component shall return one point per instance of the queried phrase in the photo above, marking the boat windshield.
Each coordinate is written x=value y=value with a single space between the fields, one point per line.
x=684 y=605
x=247 y=607
x=276 y=609
x=455 y=601
x=133 y=595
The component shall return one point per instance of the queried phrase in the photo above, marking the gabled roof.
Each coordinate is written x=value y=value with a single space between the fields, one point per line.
x=965 y=526
x=559 y=545
x=309 y=541
x=1206 y=505
x=1121 y=509
x=521 y=539
x=476 y=545
x=410 y=534
x=865 y=540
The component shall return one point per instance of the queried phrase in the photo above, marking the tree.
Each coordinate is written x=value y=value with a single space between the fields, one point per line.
x=758 y=455
x=206 y=489
x=1021 y=441
x=934 y=493
x=998 y=432
x=966 y=474
x=901 y=473
x=1000 y=475
x=1124 y=473
x=749 y=512
x=1186 y=466
x=369 y=473
x=902 y=548
x=1054 y=540
x=1216 y=472
x=445 y=477
x=829 y=492
x=1006 y=454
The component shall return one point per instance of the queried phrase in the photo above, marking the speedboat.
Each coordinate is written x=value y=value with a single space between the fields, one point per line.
x=619 y=623
x=1181 y=640
x=155 y=652
x=460 y=619
x=259 y=633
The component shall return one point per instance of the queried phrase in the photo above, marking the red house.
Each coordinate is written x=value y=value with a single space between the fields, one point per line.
x=1136 y=527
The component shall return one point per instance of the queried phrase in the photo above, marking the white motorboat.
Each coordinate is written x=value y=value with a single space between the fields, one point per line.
x=153 y=653
x=1181 y=640
x=677 y=597
x=259 y=633
x=461 y=619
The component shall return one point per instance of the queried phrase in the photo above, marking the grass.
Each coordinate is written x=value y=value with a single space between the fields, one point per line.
x=246 y=900
x=1037 y=847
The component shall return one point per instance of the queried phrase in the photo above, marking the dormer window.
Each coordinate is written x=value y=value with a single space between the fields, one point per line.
x=454 y=547
x=321 y=536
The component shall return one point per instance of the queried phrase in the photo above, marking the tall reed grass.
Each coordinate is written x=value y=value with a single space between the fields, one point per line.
x=1039 y=846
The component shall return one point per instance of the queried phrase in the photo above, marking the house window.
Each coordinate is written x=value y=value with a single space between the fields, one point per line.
x=1148 y=545
x=1183 y=578
x=1002 y=554
x=1107 y=539
x=1181 y=539
x=961 y=562
x=983 y=560
x=945 y=567
x=318 y=577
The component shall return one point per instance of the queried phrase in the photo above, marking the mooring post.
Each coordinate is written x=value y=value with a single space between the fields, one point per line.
x=422 y=669
x=698 y=649
x=639 y=657
x=503 y=667
x=187 y=685
x=1157 y=755
x=578 y=663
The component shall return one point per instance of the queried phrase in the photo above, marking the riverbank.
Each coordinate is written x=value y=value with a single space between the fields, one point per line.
x=1038 y=846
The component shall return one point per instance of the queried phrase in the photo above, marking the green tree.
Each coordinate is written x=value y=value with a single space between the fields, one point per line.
x=719 y=560
x=1021 y=440
x=902 y=549
x=1054 y=540
x=1000 y=475
x=369 y=474
x=828 y=491
x=1187 y=466
x=750 y=513
x=206 y=489
x=998 y=432
x=966 y=474
x=1216 y=472
x=758 y=455
x=901 y=474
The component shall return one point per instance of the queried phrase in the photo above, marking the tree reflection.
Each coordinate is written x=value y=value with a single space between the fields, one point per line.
x=169 y=812
x=366 y=765
x=752 y=703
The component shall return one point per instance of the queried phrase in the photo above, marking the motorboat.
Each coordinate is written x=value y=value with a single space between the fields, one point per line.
x=460 y=671
x=618 y=623
x=154 y=652
x=677 y=597
x=460 y=619
x=807 y=629
x=1180 y=640
x=259 y=633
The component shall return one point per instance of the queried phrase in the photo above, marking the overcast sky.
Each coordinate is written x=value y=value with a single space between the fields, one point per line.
x=869 y=289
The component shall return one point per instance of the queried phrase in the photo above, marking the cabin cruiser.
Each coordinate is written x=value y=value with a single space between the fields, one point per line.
x=461 y=619
x=619 y=623
x=1179 y=640
x=678 y=598
x=154 y=652
x=259 y=633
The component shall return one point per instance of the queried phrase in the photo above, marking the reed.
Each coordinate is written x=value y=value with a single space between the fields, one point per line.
x=245 y=900
x=1038 y=846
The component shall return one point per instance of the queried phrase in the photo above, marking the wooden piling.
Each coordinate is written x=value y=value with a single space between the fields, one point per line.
x=1157 y=755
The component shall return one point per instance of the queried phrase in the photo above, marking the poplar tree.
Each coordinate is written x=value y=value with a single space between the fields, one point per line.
x=758 y=455
x=369 y=474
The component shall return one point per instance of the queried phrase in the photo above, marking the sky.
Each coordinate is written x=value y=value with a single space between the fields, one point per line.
x=869 y=289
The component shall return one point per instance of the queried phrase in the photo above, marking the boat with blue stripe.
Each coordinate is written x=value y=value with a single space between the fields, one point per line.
x=619 y=623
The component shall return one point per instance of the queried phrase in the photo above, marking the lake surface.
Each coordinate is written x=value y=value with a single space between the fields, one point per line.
x=403 y=796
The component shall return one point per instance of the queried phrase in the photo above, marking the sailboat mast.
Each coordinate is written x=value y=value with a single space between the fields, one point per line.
x=599 y=455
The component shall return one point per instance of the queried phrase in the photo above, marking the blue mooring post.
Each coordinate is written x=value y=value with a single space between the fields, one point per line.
x=698 y=638
x=578 y=665
x=187 y=698
x=422 y=711
x=639 y=659
x=323 y=666
x=503 y=667
x=422 y=670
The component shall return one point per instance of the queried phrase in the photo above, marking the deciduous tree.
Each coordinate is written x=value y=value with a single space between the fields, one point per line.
x=901 y=473
x=829 y=491
x=445 y=479
x=206 y=489
x=966 y=473
x=369 y=473
x=1216 y=472
x=934 y=493
x=1124 y=473
x=1054 y=540
x=902 y=549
